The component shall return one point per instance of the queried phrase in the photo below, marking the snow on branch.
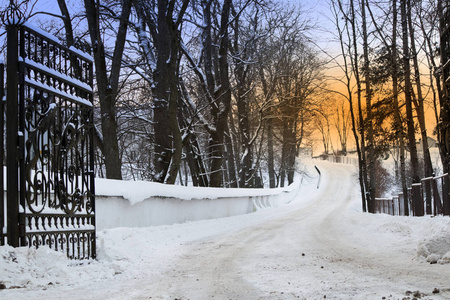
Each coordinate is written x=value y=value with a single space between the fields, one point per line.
x=145 y=44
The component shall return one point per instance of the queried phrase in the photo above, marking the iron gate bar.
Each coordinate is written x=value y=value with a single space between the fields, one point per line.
x=12 y=134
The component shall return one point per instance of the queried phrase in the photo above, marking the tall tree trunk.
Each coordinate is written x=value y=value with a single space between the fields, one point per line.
x=195 y=162
x=437 y=78
x=405 y=10
x=168 y=142
x=360 y=146
x=160 y=91
x=270 y=154
x=233 y=181
x=292 y=146
x=369 y=118
x=399 y=133
x=269 y=123
x=193 y=168
x=434 y=77
x=444 y=124
x=428 y=167
x=192 y=147
x=246 y=171
x=67 y=22
x=108 y=86
x=223 y=95
x=173 y=100
x=243 y=51
x=288 y=151
x=284 y=153
x=243 y=114
x=208 y=45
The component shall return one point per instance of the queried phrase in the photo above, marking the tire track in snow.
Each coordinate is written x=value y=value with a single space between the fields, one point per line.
x=307 y=254
x=253 y=263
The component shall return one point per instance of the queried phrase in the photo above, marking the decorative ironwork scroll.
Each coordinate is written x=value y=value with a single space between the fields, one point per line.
x=55 y=145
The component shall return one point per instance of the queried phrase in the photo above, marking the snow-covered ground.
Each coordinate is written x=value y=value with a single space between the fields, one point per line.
x=318 y=246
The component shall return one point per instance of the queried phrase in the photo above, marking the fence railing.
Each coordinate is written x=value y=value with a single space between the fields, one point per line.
x=429 y=197
x=339 y=159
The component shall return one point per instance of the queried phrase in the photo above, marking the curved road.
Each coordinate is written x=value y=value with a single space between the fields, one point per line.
x=308 y=253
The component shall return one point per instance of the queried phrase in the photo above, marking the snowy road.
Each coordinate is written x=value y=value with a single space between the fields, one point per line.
x=304 y=254
x=318 y=247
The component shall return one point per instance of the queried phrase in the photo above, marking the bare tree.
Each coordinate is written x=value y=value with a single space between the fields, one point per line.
x=163 y=20
x=428 y=167
x=444 y=117
x=341 y=123
x=347 y=36
x=107 y=79
x=398 y=123
x=300 y=80
x=429 y=26
x=322 y=121
x=214 y=80
x=243 y=50
x=394 y=72
x=369 y=120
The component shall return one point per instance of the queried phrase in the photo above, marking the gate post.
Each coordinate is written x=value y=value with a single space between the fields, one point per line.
x=12 y=135
x=426 y=184
x=436 y=197
x=417 y=198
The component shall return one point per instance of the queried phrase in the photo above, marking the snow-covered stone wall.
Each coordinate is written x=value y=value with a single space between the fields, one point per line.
x=142 y=204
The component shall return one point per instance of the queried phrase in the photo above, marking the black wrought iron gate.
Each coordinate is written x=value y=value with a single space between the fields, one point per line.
x=50 y=197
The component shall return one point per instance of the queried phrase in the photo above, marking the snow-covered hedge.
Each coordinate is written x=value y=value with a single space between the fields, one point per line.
x=142 y=204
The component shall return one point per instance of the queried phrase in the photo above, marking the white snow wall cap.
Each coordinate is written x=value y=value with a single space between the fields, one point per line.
x=138 y=191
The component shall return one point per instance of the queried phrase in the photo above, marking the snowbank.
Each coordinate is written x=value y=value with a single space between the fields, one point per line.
x=142 y=204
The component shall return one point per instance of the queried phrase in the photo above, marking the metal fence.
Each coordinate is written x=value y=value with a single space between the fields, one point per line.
x=429 y=197
x=341 y=159
x=50 y=195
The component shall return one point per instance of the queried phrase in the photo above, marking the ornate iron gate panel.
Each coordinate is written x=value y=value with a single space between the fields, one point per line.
x=50 y=151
